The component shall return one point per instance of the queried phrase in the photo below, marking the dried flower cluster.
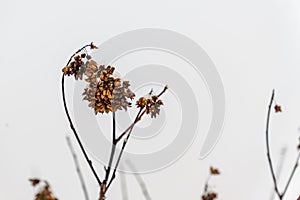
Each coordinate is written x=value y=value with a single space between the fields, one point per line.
x=104 y=92
x=76 y=67
x=151 y=104
x=44 y=192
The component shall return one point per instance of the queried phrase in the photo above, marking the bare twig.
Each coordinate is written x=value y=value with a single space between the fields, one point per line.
x=71 y=123
x=280 y=195
x=77 y=168
x=123 y=146
x=139 y=180
x=268 y=147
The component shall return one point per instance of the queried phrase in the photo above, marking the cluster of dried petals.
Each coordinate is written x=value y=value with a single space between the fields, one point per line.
x=151 y=104
x=209 y=196
x=44 y=192
x=104 y=92
x=76 y=67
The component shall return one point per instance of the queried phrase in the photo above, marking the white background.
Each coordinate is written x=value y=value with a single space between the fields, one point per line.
x=254 y=45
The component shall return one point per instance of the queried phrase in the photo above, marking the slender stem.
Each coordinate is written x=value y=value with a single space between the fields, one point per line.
x=77 y=168
x=206 y=183
x=71 y=123
x=137 y=118
x=113 y=150
x=292 y=175
x=268 y=147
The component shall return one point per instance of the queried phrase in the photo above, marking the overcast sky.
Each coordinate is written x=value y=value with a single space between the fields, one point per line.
x=254 y=45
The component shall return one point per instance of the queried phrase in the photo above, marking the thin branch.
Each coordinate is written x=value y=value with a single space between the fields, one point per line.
x=280 y=195
x=139 y=180
x=206 y=184
x=138 y=116
x=71 y=123
x=268 y=147
x=77 y=168
x=292 y=175
x=113 y=149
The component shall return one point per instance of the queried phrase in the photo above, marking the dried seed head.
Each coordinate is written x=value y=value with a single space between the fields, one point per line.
x=152 y=105
x=277 y=108
x=106 y=93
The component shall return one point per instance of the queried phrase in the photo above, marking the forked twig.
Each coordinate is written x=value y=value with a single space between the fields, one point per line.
x=280 y=195
x=138 y=117
x=268 y=147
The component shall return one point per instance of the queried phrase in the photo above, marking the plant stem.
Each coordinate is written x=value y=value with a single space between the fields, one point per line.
x=138 y=116
x=71 y=123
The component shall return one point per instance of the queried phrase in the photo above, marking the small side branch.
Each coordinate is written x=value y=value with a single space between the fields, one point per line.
x=78 y=168
x=70 y=120
x=280 y=195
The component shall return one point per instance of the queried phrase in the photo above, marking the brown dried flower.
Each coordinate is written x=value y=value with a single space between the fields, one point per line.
x=44 y=192
x=214 y=171
x=93 y=46
x=277 y=108
x=76 y=68
x=152 y=105
x=104 y=92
